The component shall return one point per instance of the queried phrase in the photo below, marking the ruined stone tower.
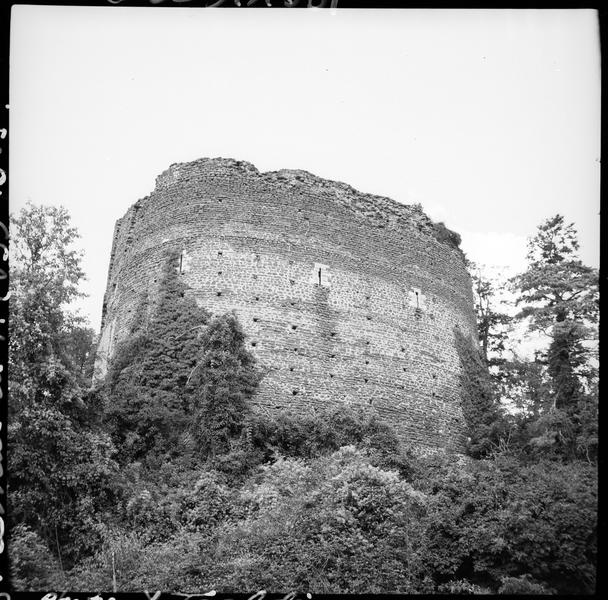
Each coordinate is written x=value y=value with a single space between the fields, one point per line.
x=344 y=296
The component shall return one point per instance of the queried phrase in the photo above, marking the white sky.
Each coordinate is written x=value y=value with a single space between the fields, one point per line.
x=489 y=119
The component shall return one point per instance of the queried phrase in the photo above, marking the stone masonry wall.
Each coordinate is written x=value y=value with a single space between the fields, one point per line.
x=344 y=296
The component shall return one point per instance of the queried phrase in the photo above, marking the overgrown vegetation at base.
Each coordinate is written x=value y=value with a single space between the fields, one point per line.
x=167 y=476
x=338 y=523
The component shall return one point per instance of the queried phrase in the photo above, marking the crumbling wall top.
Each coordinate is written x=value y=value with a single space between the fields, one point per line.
x=380 y=210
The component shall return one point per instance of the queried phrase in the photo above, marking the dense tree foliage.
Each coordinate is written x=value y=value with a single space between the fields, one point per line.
x=59 y=468
x=335 y=522
x=166 y=475
x=498 y=519
x=45 y=275
x=552 y=397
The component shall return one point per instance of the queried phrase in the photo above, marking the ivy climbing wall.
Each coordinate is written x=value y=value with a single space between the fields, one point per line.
x=344 y=296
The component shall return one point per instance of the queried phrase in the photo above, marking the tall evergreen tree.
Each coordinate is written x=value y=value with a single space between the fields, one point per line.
x=148 y=402
x=560 y=297
x=224 y=380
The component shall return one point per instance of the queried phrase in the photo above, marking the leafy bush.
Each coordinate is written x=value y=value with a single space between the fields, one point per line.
x=32 y=566
x=238 y=462
x=497 y=519
x=308 y=433
x=335 y=524
x=443 y=234
x=461 y=586
x=61 y=479
x=522 y=585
